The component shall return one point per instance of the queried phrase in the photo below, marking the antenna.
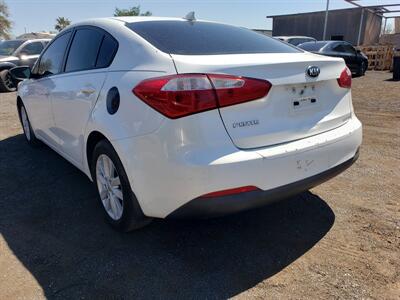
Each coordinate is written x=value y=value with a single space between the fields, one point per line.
x=190 y=17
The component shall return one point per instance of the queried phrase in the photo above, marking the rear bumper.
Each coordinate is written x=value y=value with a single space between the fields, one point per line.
x=219 y=206
x=169 y=168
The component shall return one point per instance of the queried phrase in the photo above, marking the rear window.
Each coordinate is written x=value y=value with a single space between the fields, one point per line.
x=206 y=38
x=298 y=41
x=312 y=46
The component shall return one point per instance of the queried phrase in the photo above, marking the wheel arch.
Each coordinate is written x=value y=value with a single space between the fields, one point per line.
x=19 y=102
x=93 y=139
x=6 y=66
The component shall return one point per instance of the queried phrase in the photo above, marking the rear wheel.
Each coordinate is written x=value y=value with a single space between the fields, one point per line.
x=120 y=205
x=6 y=82
x=362 y=68
x=26 y=126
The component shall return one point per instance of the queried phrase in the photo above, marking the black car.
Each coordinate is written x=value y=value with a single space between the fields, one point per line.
x=17 y=53
x=295 y=39
x=355 y=59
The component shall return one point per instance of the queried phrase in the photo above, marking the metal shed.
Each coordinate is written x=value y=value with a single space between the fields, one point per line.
x=343 y=24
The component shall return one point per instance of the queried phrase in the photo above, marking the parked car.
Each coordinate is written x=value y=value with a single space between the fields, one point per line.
x=17 y=53
x=174 y=118
x=295 y=40
x=354 y=58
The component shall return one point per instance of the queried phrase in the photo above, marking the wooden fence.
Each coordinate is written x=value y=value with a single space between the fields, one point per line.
x=380 y=57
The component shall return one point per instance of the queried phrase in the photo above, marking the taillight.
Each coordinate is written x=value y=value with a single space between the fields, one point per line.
x=176 y=96
x=243 y=189
x=345 y=79
x=233 y=90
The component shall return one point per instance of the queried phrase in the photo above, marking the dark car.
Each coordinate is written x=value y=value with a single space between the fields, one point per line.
x=355 y=59
x=17 y=53
x=295 y=39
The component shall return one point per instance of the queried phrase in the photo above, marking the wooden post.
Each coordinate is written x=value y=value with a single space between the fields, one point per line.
x=397 y=25
x=384 y=26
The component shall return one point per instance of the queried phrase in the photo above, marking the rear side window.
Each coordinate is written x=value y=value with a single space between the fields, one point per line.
x=206 y=38
x=349 y=49
x=108 y=48
x=51 y=60
x=339 y=48
x=84 y=49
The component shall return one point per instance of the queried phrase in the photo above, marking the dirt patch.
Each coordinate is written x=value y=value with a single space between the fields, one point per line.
x=341 y=240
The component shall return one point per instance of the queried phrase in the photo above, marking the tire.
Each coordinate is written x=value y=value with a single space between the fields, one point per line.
x=27 y=128
x=361 y=70
x=110 y=189
x=365 y=68
x=6 y=82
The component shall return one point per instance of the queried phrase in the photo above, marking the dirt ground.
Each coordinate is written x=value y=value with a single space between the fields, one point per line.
x=341 y=240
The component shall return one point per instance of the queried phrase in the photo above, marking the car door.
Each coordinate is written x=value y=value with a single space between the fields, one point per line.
x=29 y=53
x=77 y=90
x=37 y=89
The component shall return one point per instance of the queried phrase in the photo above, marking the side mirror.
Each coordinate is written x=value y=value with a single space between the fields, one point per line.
x=21 y=73
x=358 y=51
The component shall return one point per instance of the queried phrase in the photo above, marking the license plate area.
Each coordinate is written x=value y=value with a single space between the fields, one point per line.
x=303 y=98
x=304 y=103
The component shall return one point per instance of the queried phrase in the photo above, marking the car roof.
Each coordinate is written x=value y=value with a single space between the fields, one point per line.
x=319 y=42
x=28 y=40
x=38 y=40
x=294 y=36
x=124 y=20
x=145 y=19
x=14 y=40
x=331 y=42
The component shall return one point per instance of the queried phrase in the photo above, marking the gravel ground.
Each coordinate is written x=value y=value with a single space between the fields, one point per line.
x=340 y=240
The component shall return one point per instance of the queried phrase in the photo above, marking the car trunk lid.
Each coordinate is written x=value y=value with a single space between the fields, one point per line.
x=297 y=105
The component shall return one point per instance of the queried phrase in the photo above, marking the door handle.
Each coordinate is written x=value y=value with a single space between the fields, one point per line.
x=88 y=91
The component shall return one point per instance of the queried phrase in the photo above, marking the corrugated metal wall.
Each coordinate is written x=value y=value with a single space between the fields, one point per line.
x=344 y=23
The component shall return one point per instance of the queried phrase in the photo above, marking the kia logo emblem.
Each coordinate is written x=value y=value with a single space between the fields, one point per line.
x=313 y=71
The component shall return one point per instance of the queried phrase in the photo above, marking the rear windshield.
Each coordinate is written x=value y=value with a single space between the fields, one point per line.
x=312 y=46
x=206 y=38
x=298 y=41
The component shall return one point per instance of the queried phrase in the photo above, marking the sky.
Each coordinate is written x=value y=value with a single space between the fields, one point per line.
x=40 y=15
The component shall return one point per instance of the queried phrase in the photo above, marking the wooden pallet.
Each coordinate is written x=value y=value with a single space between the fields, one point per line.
x=380 y=57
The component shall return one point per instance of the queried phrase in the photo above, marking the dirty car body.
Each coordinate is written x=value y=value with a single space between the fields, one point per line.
x=205 y=124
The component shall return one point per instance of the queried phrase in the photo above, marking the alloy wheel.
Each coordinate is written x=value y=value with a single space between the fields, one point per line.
x=109 y=187
x=8 y=82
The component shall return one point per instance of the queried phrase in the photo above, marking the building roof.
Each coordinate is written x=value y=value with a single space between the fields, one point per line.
x=36 y=35
x=314 y=12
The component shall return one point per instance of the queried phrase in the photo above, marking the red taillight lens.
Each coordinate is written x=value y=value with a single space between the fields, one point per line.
x=178 y=95
x=345 y=79
x=181 y=95
x=238 y=190
x=234 y=90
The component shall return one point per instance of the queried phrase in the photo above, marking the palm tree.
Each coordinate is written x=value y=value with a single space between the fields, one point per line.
x=61 y=23
x=5 y=23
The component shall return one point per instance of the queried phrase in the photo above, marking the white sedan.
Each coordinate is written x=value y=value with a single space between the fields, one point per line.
x=177 y=118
